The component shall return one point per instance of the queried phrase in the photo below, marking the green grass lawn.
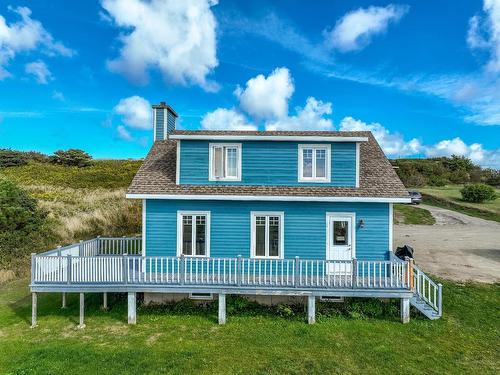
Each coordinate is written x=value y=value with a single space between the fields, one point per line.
x=465 y=340
x=449 y=197
x=406 y=214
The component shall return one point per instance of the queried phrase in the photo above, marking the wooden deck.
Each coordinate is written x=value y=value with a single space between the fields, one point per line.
x=116 y=265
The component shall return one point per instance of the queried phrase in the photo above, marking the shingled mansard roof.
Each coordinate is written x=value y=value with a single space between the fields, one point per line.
x=377 y=178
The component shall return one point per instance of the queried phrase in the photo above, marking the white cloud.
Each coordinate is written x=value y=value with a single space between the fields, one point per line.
x=135 y=111
x=40 y=71
x=394 y=145
x=176 y=37
x=58 y=95
x=311 y=117
x=484 y=33
x=267 y=97
x=356 y=29
x=226 y=119
x=26 y=35
x=123 y=133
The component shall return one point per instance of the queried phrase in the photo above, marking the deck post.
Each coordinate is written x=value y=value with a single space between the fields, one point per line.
x=239 y=269
x=183 y=269
x=98 y=247
x=34 y=301
x=105 y=300
x=222 y=308
x=125 y=268
x=59 y=250
x=311 y=309
x=354 y=273
x=33 y=267
x=82 y=311
x=132 y=308
x=80 y=248
x=440 y=299
x=68 y=269
x=297 y=278
x=63 y=305
x=405 y=310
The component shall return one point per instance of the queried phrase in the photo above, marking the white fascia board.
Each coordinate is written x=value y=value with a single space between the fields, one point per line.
x=303 y=138
x=286 y=198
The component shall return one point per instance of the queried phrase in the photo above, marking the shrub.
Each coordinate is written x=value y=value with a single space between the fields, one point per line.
x=477 y=193
x=71 y=158
x=18 y=211
x=11 y=158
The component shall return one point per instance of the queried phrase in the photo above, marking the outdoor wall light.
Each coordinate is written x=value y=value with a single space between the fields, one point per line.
x=361 y=223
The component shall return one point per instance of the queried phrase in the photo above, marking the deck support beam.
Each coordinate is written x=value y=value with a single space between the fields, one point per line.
x=63 y=304
x=222 y=308
x=132 y=308
x=81 y=325
x=105 y=300
x=405 y=310
x=34 y=302
x=311 y=309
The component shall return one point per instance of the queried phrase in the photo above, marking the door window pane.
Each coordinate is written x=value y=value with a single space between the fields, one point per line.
x=200 y=235
x=232 y=162
x=307 y=163
x=187 y=235
x=320 y=163
x=260 y=236
x=274 y=235
x=340 y=232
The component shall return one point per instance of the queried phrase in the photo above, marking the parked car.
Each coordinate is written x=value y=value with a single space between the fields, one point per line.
x=416 y=197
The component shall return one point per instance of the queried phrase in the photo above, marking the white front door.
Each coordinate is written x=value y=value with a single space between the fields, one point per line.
x=340 y=245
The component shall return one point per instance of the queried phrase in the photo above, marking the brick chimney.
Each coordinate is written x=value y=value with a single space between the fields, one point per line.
x=164 y=118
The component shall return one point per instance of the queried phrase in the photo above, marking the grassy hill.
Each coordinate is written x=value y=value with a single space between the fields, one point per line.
x=80 y=202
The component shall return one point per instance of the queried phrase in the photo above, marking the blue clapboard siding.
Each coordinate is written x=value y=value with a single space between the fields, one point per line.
x=267 y=163
x=160 y=123
x=170 y=121
x=305 y=227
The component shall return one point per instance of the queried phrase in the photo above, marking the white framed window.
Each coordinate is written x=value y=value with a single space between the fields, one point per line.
x=193 y=233
x=314 y=163
x=225 y=162
x=267 y=235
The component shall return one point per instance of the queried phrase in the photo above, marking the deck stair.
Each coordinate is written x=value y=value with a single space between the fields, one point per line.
x=427 y=295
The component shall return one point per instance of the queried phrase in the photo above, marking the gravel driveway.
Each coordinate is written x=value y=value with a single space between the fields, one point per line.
x=457 y=247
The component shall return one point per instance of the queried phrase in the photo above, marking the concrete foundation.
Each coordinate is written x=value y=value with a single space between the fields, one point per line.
x=159 y=298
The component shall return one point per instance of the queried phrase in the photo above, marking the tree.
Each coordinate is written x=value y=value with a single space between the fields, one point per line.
x=11 y=158
x=18 y=211
x=71 y=158
x=458 y=163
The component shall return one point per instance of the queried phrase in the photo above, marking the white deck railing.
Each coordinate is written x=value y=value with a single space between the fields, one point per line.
x=427 y=289
x=244 y=272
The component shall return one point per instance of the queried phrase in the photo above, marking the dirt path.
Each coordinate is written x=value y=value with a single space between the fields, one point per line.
x=458 y=247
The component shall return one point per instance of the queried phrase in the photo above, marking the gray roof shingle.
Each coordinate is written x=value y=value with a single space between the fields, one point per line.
x=157 y=175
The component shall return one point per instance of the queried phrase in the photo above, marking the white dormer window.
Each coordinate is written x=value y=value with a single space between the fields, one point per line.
x=225 y=162
x=314 y=163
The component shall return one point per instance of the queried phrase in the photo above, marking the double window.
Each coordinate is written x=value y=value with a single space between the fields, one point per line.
x=314 y=163
x=225 y=162
x=193 y=233
x=267 y=235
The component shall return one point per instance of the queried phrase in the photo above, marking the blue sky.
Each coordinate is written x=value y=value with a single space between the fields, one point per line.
x=424 y=76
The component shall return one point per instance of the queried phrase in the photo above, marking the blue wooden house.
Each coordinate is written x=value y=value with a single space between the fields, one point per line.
x=284 y=214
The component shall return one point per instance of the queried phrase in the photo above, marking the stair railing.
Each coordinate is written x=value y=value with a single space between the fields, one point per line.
x=427 y=290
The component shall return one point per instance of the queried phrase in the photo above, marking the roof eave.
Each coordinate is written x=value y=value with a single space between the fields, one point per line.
x=304 y=138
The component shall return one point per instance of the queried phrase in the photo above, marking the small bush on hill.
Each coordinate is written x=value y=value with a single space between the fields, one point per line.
x=477 y=193
x=11 y=158
x=71 y=158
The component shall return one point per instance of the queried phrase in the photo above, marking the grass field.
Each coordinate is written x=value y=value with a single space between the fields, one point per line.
x=406 y=214
x=183 y=340
x=450 y=197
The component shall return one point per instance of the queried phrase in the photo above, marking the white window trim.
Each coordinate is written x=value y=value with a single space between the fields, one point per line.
x=301 y=177
x=180 y=214
x=253 y=234
x=211 y=177
x=340 y=215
